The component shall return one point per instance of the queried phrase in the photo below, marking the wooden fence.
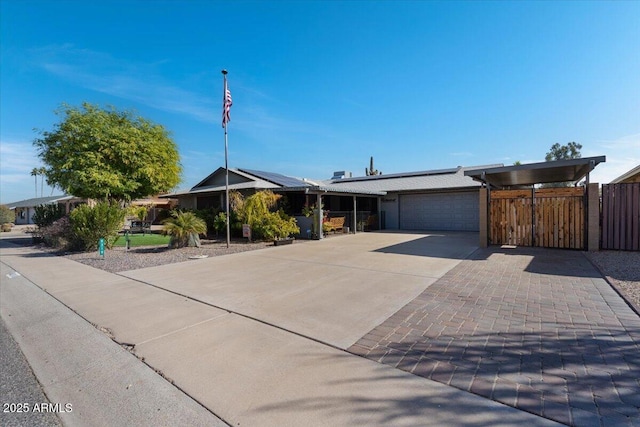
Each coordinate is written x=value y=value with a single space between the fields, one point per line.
x=621 y=216
x=546 y=217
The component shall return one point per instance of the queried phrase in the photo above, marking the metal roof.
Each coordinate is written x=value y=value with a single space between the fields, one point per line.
x=276 y=178
x=315 y=189
x=572 y=170
x=37 y=201
x=442 y=179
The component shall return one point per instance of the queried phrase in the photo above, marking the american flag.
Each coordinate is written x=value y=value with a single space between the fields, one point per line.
x=226 y=106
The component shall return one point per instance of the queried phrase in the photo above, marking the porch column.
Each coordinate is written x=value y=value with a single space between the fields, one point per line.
x=593 y=217
x=320 y=215
x=355 y=220
x=484 y=218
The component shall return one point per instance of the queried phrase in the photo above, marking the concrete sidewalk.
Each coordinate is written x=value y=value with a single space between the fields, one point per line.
x=247 y=372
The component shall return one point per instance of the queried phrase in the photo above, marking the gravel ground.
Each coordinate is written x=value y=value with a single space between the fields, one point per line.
x=622 y=270
x=119 y=259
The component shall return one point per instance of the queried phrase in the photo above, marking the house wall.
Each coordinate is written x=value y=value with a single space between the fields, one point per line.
x=389 y=205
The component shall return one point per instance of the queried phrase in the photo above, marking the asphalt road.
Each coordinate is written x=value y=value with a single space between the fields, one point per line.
x=19 y=388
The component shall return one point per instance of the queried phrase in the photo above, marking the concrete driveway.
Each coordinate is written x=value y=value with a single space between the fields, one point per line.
x=333 y=291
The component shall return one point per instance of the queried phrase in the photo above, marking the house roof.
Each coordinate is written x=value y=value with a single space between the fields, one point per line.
x=276 y=178
x=37 y=201
x=536 y=173
x=631 y=176
x=412 y=181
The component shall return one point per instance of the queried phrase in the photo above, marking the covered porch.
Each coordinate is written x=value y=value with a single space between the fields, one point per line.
x=346 y=210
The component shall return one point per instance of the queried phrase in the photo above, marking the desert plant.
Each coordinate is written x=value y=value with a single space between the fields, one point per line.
x=184 y=229
x=7 y=216
x=277 y=225
x=89 y=224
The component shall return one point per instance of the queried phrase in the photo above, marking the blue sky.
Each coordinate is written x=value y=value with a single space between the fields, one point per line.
x=322 y=86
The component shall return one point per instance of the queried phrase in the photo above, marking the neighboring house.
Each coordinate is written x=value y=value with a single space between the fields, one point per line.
x=24 y=209
x=443 y=199
x=629 y=177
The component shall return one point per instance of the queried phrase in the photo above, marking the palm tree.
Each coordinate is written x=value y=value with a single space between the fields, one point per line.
x=34 y=173
x=42 y=172
x=184 y=229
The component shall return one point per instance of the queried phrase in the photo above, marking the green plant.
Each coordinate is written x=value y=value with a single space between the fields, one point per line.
x=220 y=222
x=140 y=212
x=184 y=229
x=255 y=210
x=106 y=154
x=46 y=215
x=89 y=224
x=278 y=225
x=7 y=216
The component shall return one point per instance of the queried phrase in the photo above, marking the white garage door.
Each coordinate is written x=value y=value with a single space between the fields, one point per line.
x=440 y=211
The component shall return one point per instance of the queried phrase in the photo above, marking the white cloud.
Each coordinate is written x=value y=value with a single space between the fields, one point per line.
x=137 y=82
x=622 y=154
x=17 y=159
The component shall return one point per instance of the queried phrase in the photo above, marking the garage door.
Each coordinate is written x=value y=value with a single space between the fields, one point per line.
x=440 y=211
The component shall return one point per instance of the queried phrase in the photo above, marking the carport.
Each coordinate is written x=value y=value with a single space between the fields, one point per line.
x=515 y=210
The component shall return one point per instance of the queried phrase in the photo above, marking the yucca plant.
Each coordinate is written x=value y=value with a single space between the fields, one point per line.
x=184 y=228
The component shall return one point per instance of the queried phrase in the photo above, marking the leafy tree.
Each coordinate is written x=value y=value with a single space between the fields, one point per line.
x=184 y=229
x=564 y=152
x=108 y=154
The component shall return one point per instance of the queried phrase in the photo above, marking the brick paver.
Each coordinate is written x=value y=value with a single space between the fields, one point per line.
x=536 y=329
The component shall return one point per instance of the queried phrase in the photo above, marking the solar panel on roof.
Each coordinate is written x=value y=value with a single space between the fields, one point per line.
x=276 y=178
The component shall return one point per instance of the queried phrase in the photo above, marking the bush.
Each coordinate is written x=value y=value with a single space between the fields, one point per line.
x=89 y=224
x=184 y=229
x=208 y=216
x=255 y=210
x=59 y=234
x=7 y=216
x=46 y=215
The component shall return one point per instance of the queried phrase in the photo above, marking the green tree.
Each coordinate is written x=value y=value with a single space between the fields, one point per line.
x=564 y=152
x=108 y=154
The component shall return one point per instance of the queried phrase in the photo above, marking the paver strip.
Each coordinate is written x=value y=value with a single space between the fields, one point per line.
x=536 y=329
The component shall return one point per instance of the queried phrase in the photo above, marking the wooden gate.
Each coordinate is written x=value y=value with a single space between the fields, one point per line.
x=621 y=216
x=546 y=217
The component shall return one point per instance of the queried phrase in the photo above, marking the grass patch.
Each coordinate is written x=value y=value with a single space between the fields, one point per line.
x=143 y=240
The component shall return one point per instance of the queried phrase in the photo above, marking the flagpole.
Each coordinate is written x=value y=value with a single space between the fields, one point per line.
x=226 y=162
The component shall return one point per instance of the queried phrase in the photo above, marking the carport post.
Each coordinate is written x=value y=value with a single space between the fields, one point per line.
x=320 y=215
x=355 y=221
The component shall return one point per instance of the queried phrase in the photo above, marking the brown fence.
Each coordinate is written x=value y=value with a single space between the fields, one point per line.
x=548 y=217
x=621 y=216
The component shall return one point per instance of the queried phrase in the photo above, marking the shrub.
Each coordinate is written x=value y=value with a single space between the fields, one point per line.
x=46 y=215
x=89 y=224
x=255 y=210
x=220 y=222
x=7 y=216
x=208 y=216
x=184 y=229
x=59 y=234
